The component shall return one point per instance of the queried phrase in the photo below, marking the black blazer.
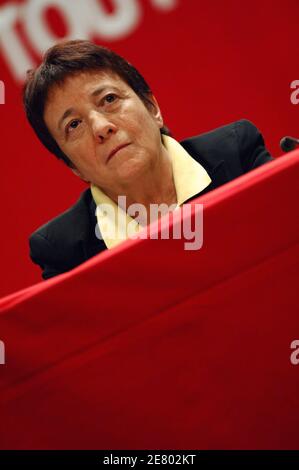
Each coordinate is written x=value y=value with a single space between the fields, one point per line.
x=69 y=239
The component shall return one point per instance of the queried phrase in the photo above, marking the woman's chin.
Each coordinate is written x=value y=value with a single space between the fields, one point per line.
x=129 y=171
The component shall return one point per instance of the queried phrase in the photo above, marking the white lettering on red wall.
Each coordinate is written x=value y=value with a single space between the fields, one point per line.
x=84 y=19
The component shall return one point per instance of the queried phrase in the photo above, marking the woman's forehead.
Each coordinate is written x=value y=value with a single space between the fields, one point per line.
x=86 y=79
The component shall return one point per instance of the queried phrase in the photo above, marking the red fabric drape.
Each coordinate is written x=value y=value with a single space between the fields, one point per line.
x=152 y=346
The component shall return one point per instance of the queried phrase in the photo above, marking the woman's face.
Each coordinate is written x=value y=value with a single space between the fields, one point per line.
x=104 y=128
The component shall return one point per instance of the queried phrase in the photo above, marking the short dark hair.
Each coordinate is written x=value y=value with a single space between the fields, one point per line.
x=65 y=59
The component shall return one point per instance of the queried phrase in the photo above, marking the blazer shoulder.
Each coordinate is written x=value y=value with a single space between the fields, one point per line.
x=227 y=132
x=252 y=149
x=70 y=222
x=240 y=144
x=58 y=245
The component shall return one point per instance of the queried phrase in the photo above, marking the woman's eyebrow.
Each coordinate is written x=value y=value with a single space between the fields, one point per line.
x=69 y=111
x=99 y=90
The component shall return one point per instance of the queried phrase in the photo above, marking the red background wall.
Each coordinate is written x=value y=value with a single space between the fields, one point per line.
x=208 y=63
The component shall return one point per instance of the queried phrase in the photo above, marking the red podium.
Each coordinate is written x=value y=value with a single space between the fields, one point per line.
x=151 y=346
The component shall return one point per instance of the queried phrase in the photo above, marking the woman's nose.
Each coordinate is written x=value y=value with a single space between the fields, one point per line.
x=102 y=127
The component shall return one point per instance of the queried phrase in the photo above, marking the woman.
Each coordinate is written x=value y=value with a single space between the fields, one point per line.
x=94 y=110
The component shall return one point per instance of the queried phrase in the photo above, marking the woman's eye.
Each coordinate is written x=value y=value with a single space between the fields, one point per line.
x=72 y=125
x=110 y=98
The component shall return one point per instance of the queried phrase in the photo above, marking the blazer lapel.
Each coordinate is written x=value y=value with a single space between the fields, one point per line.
x=218 y=175
x=90 y=244
x=215 y=167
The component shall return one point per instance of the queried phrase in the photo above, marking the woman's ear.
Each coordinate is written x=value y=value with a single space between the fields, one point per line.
x=155 y=110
